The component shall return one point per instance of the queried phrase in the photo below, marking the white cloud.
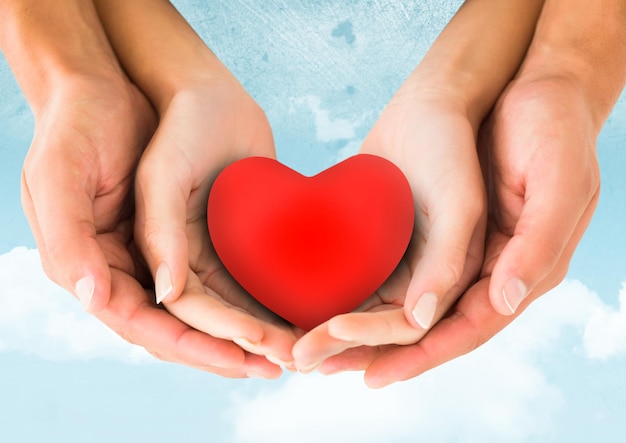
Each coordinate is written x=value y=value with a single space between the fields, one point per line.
x=605 y=334
x=39 y=318
x=491 y=395
x=496 y=393
x=328 y=129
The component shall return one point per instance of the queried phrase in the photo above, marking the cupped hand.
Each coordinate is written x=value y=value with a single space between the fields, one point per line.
x=201 y=131
x=433 y=143
x=77 y=194
x=541 y=171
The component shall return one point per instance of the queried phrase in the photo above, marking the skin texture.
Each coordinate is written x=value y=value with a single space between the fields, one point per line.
x=207 y=120
x=537 y=144
x=92 y=126
x=513 y=161
x=429 y=130
x=452 y=166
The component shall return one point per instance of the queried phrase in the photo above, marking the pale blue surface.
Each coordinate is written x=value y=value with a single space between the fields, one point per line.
x=322 y=73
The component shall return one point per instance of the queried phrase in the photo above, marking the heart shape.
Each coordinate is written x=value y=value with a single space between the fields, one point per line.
x=309 y=248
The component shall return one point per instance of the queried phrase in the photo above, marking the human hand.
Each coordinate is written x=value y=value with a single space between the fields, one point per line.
x=91 y=125
x=206 y=121
x=77 y=182
x=429 y=130
x=538 y=153
x=200 y=133
x=432 y=141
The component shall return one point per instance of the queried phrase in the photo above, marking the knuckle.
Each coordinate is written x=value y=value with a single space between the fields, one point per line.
x=151 y=233
x=127 y=335
x=551 y=252
x=479 y=335
x=451 y=269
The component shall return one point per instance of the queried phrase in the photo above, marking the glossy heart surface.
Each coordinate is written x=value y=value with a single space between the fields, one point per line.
x=310 y=248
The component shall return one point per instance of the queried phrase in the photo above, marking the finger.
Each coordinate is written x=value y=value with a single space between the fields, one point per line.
x=555 y=277
x=58 y=199
x=161 y=201
x=471 y=324
x=353 y=359
x=135 y=318
x=257 y=366
x=210 y=315
x=351 y=331
x=316 y=346
x=451 y=258
x=204 y=310
x=547 y=223
x=382 y=327
x=254 y=366
x=278 y=335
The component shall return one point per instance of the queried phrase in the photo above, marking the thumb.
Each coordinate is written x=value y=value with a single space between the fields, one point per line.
x=160 y=229
x=453 y=248
x=549 y=227
x=59 y=207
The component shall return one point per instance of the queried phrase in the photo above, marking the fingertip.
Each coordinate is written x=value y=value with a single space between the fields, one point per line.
x=84 y=290
x=421 y=313
x=507 y=298
x=163 y=287
x=165 y=248
x=339 y=328
x=93 y=291
x=374 y=382
x=515 y=273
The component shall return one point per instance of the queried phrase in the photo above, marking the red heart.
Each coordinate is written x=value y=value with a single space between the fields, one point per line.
x=309 y=248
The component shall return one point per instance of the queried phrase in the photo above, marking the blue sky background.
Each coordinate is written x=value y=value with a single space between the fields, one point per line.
x=323 y=73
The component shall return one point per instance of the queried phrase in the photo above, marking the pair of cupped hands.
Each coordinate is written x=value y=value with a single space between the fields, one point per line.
x=116 y=196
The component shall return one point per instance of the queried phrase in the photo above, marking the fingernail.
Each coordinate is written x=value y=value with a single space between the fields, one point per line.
x=245 y=343
x=339 y=335
x=332 y=371
x=424 y=310
x=381 y=384
x=513 y=293
x=163 y=283
x=221 y=365
x=278 y=361
x=254 y=374
x=310 y=368
x=84 y=291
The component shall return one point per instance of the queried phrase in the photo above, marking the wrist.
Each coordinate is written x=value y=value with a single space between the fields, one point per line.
x=46 y=45
x=570 y=79
x=582 y=45
x=477 y=54
x=448 y=85
x=204 y=76
x=159 y=50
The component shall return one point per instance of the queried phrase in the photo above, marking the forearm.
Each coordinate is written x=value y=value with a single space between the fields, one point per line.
x=477 y=54
x=45 y=42
x=158 y=48
x=584 y=43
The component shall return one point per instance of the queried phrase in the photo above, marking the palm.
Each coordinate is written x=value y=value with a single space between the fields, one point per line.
x=433 y=147
x=80 y=166
x=420 y=151
x=528 y=162
x=534 y=150
x=197 y=137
